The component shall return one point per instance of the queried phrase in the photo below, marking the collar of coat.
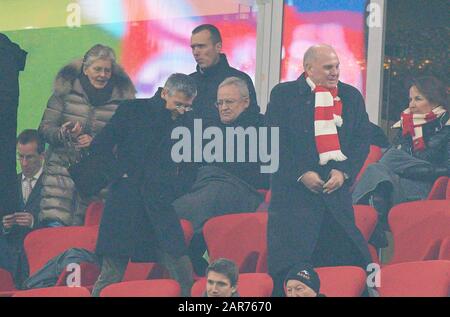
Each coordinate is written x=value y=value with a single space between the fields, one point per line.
x=305 y=89
x=222 y=64
x=66 y=82
x=10 y=48
x=443 y=121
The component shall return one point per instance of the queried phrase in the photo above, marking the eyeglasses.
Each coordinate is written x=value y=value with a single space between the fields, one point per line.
x=186 y=108
x=228 y=102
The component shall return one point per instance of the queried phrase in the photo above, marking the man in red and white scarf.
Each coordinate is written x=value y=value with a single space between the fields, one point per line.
x=321 y=66
x=324 y=139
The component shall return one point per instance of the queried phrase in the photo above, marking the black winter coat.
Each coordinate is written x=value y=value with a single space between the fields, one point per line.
x=295 y=213
x=249 y=172
x=208 y=81
x=138 y=218
x=436 y=135
x=12 y=61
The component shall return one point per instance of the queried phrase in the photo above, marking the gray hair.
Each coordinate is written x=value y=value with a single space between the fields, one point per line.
x=97 y=52
x=239 y=83
x=182 y=83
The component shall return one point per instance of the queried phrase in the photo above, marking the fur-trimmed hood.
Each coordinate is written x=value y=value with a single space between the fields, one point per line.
x=64 y=82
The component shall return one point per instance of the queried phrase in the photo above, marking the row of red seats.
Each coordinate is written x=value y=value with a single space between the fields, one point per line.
x=411 y=279
x=241 y=237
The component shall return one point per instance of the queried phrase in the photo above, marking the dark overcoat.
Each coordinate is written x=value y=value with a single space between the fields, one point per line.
x=138 y=219
x=12 y=61
x=295 y=213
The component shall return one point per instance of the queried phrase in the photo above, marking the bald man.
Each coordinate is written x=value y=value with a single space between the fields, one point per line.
x=323 y=144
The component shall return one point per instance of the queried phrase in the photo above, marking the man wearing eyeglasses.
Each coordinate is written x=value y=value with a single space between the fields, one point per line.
x=224 y=186
x=17 y=223
x=138 y=221
x=212 y=69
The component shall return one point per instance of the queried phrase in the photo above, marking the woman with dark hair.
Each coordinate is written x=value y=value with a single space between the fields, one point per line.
x=418 y=156
x=86 y=95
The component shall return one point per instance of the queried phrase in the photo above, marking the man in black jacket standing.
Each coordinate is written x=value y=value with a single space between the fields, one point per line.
x=324 y=142
x=12 y=61
x=212 y=69
x=138 y=220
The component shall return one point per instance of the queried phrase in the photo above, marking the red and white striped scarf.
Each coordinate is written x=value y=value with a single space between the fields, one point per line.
x=327 y=116
x=412 y=125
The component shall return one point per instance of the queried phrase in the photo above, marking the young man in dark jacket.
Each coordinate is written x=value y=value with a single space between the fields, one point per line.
x=212 y=69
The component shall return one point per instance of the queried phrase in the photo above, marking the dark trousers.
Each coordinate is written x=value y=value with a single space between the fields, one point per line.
x=333 y=248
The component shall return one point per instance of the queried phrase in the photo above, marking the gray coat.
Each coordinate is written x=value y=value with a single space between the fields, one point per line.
x=70 y=103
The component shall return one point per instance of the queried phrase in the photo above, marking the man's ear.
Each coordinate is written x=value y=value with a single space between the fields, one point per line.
x=164 y=93
x=218 y=47
x=247 y=102
x=233 y=289
x=308 y=69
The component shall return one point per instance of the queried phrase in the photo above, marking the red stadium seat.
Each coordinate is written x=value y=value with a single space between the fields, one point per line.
x=417 y=227
x=415 y=279
x=94 y=213
x=89 y=273
x=60 y=291
x=342 y=281
x=444 y=250
x=366 y=218
x=249 y=285
x=447 y=193
x=374 y=156
x=238 y=237
x=148 y=288
x=6 y=281
x=43 y=244
x=439 y=188
x=143 y=271
x=373 y=254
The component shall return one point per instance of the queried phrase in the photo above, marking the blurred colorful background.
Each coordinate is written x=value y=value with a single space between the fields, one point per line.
x=151 y=38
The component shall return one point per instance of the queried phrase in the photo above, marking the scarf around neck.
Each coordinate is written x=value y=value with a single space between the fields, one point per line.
x=327 y=117
x=412 y=125
x=97 y=97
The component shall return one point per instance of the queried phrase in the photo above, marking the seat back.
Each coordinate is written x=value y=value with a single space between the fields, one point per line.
x=342 y=281
x=58 y=291
x=148 y=288
x=6 y=281
x=43 y=244
x=444 y=251
x=439 y=188
x=94 y=213
x=416 y=227
x=447 y=192
x=249 y=285
x=238 y=237
x=366 y=218
x=374 y=156
x=415 y=279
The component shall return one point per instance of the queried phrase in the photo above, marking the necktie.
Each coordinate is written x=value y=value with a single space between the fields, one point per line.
x=27 y=188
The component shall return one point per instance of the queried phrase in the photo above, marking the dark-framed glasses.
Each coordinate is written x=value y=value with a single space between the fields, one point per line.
x=186 y=108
